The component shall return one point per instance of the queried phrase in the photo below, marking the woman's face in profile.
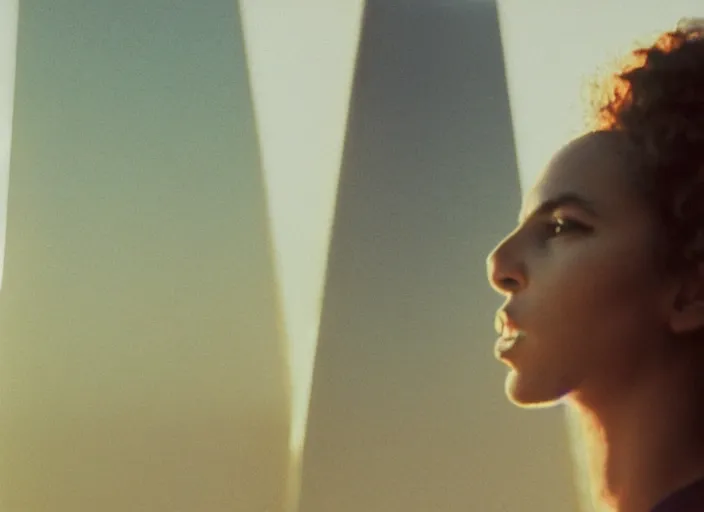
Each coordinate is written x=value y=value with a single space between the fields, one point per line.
x=581 y=278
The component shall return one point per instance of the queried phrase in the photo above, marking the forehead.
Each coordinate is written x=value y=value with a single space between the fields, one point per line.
x=594 y=167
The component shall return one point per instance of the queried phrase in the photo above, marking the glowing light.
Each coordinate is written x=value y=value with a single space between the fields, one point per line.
x=301 y=60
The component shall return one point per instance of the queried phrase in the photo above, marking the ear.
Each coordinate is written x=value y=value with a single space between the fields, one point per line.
x=687 y=304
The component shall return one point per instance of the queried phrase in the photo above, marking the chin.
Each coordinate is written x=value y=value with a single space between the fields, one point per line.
x=532 y=393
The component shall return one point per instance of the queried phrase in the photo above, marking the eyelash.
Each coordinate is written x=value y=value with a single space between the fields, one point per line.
x=565 y=226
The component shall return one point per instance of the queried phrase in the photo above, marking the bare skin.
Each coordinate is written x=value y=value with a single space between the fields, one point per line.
x=605 y=329
x=644 y=443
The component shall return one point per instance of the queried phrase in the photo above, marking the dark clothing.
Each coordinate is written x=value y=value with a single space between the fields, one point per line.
x=687 y=499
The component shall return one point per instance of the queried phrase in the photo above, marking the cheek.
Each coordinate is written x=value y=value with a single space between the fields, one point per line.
x=596 y=303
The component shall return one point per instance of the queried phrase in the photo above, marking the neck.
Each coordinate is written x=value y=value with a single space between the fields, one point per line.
x=645 y=442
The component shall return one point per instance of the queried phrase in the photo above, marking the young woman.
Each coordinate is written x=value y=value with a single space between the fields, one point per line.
x=604 y=283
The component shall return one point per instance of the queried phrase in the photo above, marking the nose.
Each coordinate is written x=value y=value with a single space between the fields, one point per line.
x=506 y=272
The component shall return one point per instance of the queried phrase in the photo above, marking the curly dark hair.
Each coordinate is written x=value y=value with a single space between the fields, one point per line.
x=657 y=101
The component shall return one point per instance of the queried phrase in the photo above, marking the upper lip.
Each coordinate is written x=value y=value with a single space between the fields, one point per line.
x=505 y=326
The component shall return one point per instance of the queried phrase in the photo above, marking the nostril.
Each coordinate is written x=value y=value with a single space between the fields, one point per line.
x=509 y=284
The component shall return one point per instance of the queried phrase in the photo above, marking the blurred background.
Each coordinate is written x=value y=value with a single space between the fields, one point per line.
x=243 y=249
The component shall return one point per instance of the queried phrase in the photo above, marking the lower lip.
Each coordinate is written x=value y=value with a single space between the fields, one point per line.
x=504 y=347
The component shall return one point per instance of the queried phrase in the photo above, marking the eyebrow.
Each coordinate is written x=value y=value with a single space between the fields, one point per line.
x=559 y=201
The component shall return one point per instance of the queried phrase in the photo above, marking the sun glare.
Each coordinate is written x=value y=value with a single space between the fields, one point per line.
x=301 y=58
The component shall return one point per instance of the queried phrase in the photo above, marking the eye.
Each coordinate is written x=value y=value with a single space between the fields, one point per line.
x=559 y=226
